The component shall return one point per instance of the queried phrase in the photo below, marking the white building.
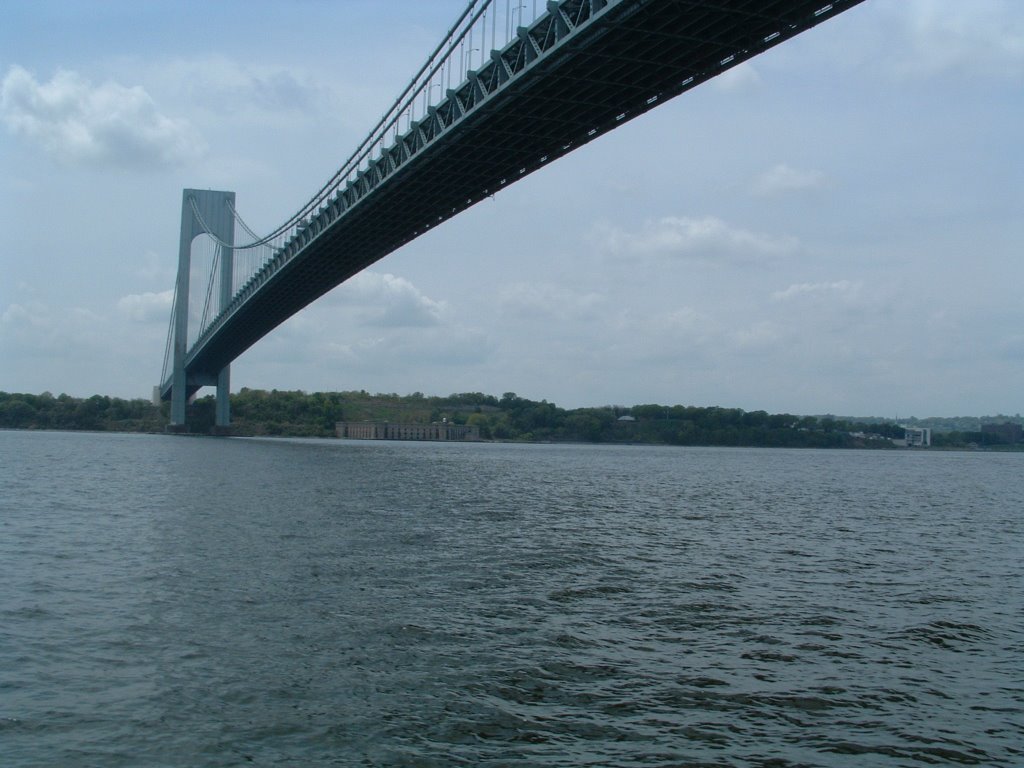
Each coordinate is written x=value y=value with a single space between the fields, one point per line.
x=915 y=437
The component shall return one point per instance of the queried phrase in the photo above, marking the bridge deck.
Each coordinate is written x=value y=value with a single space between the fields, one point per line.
x=630 y=57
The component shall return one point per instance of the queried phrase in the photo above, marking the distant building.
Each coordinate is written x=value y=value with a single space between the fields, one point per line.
x=915 y=437
x=1008 y=432
x=383 y=430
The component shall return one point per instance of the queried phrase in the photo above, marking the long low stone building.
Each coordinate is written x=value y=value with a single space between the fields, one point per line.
x=383 y=430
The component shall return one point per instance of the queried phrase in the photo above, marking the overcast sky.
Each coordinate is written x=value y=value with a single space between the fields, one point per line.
x=834 y=227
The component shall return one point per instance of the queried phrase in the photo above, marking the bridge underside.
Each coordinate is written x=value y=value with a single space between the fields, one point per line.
x=629 y=59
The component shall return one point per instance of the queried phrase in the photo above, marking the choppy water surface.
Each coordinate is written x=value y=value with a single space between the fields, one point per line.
x=190 y=602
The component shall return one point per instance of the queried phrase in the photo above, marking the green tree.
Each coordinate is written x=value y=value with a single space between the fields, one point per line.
x=17 y=414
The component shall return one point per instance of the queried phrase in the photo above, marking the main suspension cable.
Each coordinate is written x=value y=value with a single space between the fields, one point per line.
x=391 y=117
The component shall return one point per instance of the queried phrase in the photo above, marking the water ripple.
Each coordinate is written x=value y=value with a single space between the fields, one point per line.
x=332 y=603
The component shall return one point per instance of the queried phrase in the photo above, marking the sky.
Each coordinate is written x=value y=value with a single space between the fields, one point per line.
x=836 y=226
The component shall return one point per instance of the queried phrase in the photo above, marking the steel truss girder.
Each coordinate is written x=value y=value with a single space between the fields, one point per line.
x=580 y=70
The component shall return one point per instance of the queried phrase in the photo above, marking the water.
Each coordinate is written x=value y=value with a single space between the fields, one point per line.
x=197 y=602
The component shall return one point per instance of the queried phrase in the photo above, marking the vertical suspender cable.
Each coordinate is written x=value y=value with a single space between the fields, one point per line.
x=170 y=336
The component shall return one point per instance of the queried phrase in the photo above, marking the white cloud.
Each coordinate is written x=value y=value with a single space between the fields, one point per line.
x=741 y=78
x=910 y=40
x=147 y=307
x=547 y=301
x=383 y=300
x=845 y=289
x=683 y=320
x=74 y=349
x=783 y=178
x=368 y=331
x=18 y=319
x=663 y=336
x=36 y=328
x=333 y=353
x=980 y=37
x=222 y=84
x=758 y=336
x=154 y=269
x=426 y=348
x=702 y=238
x=108 y=125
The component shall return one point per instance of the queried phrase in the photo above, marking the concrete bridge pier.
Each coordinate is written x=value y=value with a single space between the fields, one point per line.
x=202 y=212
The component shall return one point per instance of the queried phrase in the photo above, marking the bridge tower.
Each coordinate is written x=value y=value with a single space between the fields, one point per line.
x=202 y=212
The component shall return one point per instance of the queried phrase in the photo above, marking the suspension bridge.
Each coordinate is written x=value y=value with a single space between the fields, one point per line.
x=511 y=87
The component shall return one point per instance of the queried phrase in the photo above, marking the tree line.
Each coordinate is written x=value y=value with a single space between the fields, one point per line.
x=510 y=417
x=97 y=413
